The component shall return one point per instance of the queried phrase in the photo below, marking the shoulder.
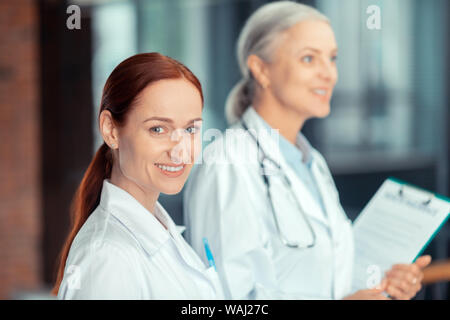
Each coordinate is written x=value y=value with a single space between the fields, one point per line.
x=232 y=154
x=104 y=262
x=102 y=269
x=227 y=181
x=233 y=146
x=106 y=272
x=103 y=236
x=223 y=179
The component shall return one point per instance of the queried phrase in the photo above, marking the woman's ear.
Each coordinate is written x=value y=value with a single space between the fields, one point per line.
x=259 y=70
x=108 y=129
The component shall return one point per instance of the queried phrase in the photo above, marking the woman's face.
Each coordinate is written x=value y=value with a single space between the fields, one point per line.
x=161 y=137
x=302 y=72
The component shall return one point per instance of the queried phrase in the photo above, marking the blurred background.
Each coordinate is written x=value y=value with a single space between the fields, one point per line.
x=390 y=110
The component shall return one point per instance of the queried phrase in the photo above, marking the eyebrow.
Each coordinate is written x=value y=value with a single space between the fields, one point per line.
x=315 y=50
x=170 y=120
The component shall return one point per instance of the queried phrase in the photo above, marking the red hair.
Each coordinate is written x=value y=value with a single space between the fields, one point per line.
x=122 y=87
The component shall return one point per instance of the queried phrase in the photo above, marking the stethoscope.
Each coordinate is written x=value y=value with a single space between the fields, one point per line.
x=266 y=180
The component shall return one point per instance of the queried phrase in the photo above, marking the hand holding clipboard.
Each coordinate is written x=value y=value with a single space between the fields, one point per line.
x=394 y=229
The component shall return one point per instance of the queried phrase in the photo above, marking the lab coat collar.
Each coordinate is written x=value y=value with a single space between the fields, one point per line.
x=305 y=148
x=136 y=218
x=271 y=148
x=300 y=152
x=268 y=137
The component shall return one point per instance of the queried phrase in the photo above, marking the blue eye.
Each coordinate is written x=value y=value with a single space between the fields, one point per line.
x=157 y=130
x=307 y=59
x=192 y=130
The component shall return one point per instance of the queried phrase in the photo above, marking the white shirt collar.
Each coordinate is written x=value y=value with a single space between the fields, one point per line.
x=150 y=233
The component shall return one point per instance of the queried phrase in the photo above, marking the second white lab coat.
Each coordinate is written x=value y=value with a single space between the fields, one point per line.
x=226 y=201
x=123 y=252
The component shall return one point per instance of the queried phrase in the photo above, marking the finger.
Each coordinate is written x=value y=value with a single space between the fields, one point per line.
x=382 y=285
x=423 y=261
x=375 y=294
x=379 y=297
x=401 y=284
x=402 y=275
x=396 y=293
x=406 y=292
x=413 y=268
x=372 y=291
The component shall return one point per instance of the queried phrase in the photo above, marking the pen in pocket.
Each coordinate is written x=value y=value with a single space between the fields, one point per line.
x=209 y=255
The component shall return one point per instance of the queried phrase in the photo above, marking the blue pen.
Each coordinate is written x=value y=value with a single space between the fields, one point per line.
x=209 y=255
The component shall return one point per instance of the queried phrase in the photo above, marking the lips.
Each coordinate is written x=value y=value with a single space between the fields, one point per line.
x=322 y=93
x=171 y=170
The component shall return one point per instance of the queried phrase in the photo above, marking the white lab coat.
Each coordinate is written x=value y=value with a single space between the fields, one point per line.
x=228 y=204
x=123 y=252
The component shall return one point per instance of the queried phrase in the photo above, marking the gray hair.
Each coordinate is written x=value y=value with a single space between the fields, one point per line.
x=258 y=37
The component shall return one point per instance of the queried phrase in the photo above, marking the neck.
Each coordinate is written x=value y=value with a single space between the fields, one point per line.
x=145 y=197
x=287 y=121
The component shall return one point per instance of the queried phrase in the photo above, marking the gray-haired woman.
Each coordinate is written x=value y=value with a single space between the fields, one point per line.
x=282 y=234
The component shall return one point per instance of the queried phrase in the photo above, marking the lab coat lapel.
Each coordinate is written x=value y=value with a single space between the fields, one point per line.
x=268 y=141
x=325 y=186
x=184 y=251
x=304 y=197
x=144 y=225
x=270 y=146
x=137 y=219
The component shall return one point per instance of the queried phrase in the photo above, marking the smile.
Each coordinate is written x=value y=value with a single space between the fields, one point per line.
x=320 y=92
x=323 y=94
x=170 y=168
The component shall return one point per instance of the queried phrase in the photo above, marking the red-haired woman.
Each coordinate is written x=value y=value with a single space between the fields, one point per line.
x=123 y=244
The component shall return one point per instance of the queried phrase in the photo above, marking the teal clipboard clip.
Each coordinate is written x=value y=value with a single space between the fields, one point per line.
x=401 y=193
x=409 y=185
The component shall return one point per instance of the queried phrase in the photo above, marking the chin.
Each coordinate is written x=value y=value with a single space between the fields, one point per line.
x=172 y=190
x=321 y=111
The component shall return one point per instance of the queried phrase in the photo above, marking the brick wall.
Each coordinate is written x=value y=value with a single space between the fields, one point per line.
x=20 y=212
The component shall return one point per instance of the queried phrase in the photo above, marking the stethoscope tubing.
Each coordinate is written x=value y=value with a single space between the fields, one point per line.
x=285 y=241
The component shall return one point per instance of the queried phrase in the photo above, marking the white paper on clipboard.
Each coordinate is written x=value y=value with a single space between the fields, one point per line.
x=395 y=227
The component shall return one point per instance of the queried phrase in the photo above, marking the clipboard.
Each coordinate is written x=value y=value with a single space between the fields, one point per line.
x=396 y=226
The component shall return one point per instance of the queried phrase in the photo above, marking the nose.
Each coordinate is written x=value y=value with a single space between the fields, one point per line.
x=181 y=151
x=327 y=71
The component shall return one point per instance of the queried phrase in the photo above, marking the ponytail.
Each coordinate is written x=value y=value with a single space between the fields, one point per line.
x=86 y=199
x=239 y=99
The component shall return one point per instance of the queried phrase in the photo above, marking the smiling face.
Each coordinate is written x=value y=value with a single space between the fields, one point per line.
x=160 y=140
x=302 y=72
